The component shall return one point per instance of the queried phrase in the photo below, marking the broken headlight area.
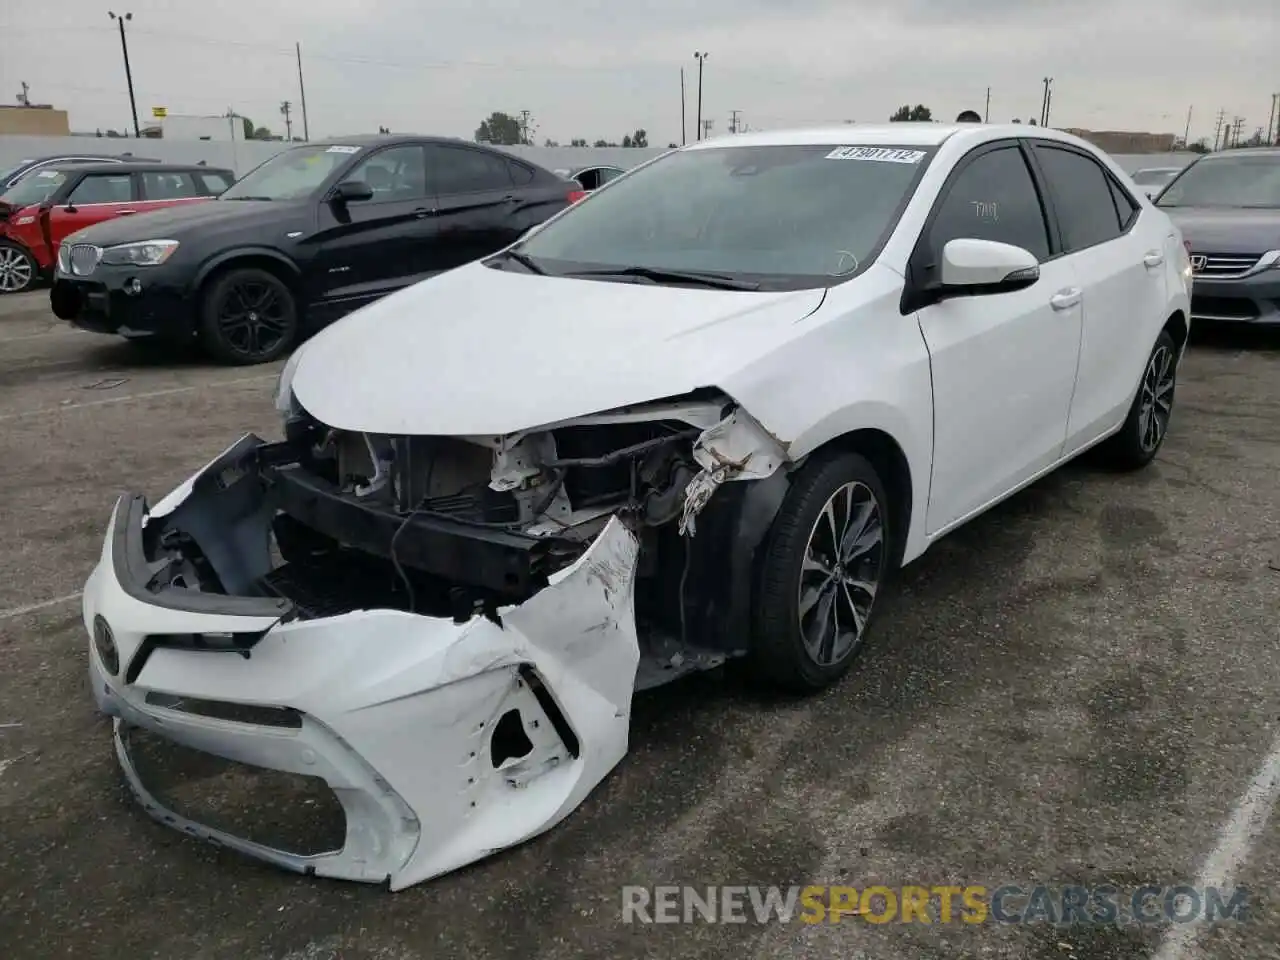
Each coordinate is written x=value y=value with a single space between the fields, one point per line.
x=334 y=521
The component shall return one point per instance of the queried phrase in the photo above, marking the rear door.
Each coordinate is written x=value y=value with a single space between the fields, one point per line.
x=1118 y=253
x=97 y=197
x=367 y=248
x=481 y=207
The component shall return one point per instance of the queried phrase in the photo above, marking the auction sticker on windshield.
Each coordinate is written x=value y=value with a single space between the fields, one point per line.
x=878 y=154
x=343 y=149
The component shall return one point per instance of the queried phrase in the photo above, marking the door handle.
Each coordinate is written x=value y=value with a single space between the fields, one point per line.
x=125 y=213
x=422 y=212
x=1065 y=299
x=509 y=198
x=1153 y=259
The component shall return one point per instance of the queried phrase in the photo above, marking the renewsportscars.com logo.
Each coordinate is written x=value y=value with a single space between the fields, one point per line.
x=971 y=904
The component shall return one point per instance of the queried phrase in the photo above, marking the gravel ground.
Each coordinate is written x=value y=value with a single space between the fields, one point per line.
x=1073 y=689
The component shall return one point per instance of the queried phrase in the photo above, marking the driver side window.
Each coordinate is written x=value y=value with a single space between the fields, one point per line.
x=397 y=173
x=993 y=198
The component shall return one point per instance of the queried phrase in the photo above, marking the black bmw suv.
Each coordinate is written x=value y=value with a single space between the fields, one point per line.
x=311 y=234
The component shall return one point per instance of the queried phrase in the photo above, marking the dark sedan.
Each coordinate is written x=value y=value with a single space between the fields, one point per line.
x=1228 y=207
x=311 y=234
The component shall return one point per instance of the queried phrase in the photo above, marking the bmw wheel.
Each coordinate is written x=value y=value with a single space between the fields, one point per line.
x=248 y=316
x=18 y=271
x=826 y=560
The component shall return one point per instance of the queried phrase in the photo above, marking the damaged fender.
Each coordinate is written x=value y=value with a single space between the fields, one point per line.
x=736 y=448
x=402 y=715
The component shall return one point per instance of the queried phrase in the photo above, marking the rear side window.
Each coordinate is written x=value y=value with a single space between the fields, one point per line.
x=103 y=188
x=992 y=198
x=1083 y=198
x=158 y=185
x=460 y=170
x=1126 y=209
x=215 y=183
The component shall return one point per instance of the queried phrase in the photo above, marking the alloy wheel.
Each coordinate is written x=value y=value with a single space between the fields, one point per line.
x=841 y=573
x=16 y=270
x=1156 y=402
x=253 y=318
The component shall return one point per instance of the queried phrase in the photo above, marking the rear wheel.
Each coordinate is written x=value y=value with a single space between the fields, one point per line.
x=18 y=270
x=248 y=316
x=1145 y=427
x=826 y=560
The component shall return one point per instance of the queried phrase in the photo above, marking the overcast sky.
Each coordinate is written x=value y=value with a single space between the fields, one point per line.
x=584 y=68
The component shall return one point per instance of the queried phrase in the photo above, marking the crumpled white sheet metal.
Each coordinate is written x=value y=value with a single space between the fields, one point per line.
x=398 y=712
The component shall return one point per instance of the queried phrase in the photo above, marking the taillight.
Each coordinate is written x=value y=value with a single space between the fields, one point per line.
x=576 y=195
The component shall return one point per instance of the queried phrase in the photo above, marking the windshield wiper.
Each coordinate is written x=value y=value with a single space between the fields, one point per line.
x=246 y=198
x=715 y=281
x=524 y=260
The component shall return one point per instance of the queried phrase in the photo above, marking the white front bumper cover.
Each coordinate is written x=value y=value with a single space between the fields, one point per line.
x=395 y=711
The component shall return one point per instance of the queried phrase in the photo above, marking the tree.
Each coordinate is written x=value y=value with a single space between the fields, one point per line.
x=672 y=146
x=551 y=143
x=918 y=113
x=262 y=133
x=249 y=128
x=638 y=139
x=626 y=140
x=501 y=129
x=1032 y=121
x=604 y=143
x=1016 y=120
x=1199 y=146
x=578 y=142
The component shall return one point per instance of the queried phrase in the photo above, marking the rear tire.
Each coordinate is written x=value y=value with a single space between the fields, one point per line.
x=826 y=558
x=19 y=271
x=1147 y=424
x=247 y=316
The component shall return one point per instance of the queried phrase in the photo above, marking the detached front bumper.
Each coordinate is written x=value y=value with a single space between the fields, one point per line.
x=443 y=742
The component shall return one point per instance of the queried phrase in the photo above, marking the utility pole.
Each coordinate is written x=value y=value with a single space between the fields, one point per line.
x=986 y=114
x=706 y=128
x=24 y=97
x=733 y=120
x=285 y=108
x=128 y=73
x=302 y=92
x=1271 y=117
x=1217 y=128
x=700 y=56
x=1186 y=135
x=1044 y=102
x=683 y=128
x=1236 y=125
x=524 y=127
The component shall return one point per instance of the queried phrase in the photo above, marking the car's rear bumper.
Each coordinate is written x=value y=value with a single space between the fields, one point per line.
x=1254 y=300
x=397 y=713
x=129 y=302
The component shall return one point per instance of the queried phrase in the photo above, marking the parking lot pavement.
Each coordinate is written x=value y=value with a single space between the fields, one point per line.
x=1074 y=689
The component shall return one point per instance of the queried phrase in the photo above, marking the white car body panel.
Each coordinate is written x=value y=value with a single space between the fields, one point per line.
x=981 y=394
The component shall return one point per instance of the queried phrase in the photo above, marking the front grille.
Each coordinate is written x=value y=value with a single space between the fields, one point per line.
x=84 y=259
x=1222 y=266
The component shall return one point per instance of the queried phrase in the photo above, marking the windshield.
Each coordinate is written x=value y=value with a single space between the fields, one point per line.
x=1245 y=181
x=1148 y=178
x=34 y=188
x=787 y=217
x=290 y=175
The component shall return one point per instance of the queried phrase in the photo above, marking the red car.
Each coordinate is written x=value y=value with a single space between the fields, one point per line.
x=52 y=203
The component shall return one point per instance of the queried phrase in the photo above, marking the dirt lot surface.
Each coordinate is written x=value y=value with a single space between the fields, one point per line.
x=1077 y=688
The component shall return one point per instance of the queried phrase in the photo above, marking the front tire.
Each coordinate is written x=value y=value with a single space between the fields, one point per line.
x=248 y=316
x=826 y=558
x=18 y=269
x=1147 y=424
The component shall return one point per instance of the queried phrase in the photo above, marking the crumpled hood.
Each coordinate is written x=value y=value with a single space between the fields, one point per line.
x=479 y=350
x=1228 y=230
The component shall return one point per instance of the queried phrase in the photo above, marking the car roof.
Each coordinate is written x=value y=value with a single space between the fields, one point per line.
x=383 y=139
x=1273 y=152
x=138 y=167
x=905 y=133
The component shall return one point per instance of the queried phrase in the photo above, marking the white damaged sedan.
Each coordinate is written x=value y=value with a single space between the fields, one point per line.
x=701 y=415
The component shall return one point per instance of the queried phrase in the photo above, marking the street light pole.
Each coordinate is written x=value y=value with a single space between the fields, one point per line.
x=700 y=56
x=128 y=73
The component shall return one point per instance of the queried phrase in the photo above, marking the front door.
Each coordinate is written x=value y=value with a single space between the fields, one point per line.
x=368 y=248
x=97 y=197
x=478 y=207
x=1004 y=364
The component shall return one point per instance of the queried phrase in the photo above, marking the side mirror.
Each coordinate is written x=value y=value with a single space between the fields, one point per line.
x=984 y=266
x=349 y=190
